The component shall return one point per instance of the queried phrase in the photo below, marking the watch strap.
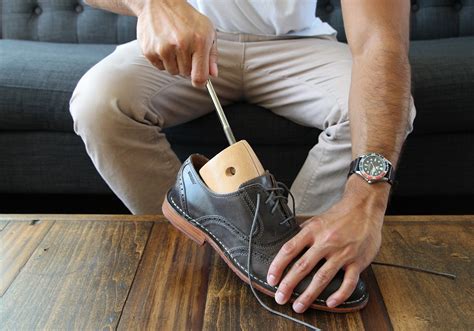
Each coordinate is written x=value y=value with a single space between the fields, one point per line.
x=354 y=166
x=390 y=174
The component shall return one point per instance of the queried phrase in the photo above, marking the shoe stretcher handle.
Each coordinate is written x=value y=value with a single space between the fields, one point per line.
x=220 y=112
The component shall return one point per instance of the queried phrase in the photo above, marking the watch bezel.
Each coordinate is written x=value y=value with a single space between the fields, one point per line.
x=371 y=178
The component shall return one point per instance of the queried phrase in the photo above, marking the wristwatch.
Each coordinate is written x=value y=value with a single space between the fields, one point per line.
x=373 y=168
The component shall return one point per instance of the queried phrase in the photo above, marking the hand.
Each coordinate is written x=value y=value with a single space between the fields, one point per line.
x=348 y=236
x=177 y=38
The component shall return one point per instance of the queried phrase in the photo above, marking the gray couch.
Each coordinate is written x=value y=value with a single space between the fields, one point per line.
x=47 y=45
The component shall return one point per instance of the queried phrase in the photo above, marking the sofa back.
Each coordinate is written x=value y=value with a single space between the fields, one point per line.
x=64 y=21
x=72 y=21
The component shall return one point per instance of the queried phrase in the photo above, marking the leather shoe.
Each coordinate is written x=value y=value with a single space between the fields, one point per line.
x=225 y=222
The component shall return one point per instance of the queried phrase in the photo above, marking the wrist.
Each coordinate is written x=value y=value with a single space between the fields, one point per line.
x=136 y=7
x=374 y=195
x=164 y=9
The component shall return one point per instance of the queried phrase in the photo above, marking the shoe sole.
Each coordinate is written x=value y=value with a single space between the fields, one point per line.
x=201 y=237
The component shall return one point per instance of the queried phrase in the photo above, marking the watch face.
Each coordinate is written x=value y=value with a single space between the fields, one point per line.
x=373 y=167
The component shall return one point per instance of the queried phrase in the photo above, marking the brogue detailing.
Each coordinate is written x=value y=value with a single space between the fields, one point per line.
x=219 y=220
x=242 y=251
x=189 y=218
x=182 y=193
x=204 y=220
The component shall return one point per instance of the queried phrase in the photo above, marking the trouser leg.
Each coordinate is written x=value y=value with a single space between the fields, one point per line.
x=307 y=81
x=119 y=108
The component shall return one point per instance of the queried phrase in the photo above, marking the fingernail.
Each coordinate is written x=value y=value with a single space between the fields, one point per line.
x=331 y=303
x=215 y=70
x=279 y=297
x=271 y=280
x=298 y=307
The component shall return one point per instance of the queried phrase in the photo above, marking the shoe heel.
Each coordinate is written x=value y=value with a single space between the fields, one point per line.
x=182 y=225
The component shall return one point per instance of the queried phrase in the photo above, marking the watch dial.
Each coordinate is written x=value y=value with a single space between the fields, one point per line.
x=373 y=167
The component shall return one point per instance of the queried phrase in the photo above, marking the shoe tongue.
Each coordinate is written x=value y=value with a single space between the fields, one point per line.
x=266 y=180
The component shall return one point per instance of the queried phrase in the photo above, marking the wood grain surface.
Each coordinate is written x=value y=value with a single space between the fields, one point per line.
x=3 y=224
x=17 y=242
x=374 y=315
x=128 y=272
x=421 y=301
x=231 y=305
x=77 y=278
x=79 y=217
x=170 y=288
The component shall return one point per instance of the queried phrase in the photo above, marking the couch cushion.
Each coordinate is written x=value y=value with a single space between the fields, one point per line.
x=443 y=84
x=37 y=80
x=64 y=21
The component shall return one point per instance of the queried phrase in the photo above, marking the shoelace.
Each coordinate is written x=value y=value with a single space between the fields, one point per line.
x=250 y=279
x=281 y=187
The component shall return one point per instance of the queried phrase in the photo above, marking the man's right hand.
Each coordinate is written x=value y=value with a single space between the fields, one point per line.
x=175 y=37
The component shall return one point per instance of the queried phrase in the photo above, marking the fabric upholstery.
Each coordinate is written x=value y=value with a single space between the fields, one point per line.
x=72 y=21
x=56 y=162
x=66 y=21
x=46 y=162
x=442 y=70
x=37 y=80
x=443 y=84
x=429 y=19
x=41 y=154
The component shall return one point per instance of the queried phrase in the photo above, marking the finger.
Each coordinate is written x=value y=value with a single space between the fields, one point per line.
x=183 y=57
x=200 y=66
x=297 y=272
x=158 y=63
x=213 y=70
x=319 y=282
x=351 y=278
x=168 y=57
x=155 y=60
x=287 y=253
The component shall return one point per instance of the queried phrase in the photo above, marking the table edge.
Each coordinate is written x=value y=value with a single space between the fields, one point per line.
x=161 y=218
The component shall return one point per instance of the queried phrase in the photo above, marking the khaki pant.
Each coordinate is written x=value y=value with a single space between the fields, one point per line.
x=121 y=104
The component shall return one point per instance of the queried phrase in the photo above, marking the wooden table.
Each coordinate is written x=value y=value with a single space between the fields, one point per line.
x=93 y=272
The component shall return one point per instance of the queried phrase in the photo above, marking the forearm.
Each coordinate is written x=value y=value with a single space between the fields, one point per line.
x=379 y=101
x=378 y=36
x=127 y=7
x=378 y=111
x=122 y=7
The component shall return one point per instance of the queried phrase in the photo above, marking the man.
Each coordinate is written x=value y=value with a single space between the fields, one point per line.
x=278 y=55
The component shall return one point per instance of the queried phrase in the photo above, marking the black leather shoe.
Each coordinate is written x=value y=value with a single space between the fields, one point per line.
x=225 y=222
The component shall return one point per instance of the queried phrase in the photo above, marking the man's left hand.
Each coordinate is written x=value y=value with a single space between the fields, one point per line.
x=348 y=236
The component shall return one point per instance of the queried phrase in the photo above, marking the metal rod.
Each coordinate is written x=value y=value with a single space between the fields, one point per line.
x=220 y=112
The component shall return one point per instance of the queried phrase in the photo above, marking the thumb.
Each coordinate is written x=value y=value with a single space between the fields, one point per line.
x=213 y=71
